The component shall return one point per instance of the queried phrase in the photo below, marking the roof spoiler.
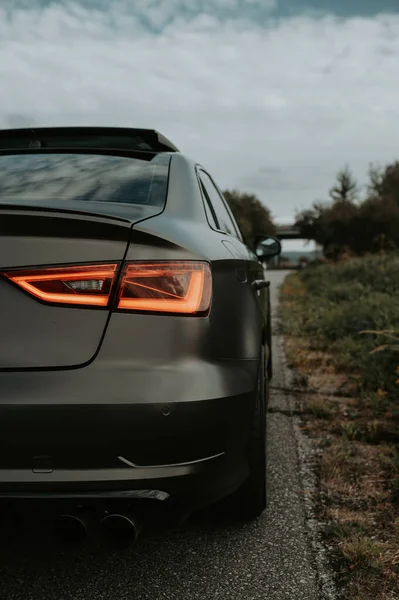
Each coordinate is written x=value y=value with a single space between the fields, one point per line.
x=98 y=138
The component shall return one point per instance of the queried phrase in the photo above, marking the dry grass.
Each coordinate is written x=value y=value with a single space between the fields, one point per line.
x=356 y=487
x=357 y=441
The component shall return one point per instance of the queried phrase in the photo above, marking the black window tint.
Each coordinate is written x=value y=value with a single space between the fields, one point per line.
x=28 y=178
x=210 y=211
x=224 y=220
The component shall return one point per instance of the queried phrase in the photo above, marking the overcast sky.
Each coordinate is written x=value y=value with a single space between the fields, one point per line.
x=272 y=96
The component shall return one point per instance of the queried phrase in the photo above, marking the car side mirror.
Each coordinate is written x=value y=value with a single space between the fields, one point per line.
x=267 y=247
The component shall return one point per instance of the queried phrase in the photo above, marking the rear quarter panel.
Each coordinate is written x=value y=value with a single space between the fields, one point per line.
x=234 y=327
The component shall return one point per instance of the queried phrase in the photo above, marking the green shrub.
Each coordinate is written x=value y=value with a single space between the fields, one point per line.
x=337 y=302
x=373 y=311
x=376 y=272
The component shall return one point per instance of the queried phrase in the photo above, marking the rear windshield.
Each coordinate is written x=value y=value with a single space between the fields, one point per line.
x=37 y=178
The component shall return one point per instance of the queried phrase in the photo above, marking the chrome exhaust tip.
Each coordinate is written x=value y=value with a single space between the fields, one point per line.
x=119 y=531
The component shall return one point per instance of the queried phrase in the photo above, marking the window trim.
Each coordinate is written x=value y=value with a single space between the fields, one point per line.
x=205 y=198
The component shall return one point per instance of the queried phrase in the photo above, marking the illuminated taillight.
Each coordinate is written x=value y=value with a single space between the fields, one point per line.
x=174 y=287
x=87 y=285
x=183 y=287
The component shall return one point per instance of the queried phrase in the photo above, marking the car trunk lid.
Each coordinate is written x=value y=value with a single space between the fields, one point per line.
x=40 y=335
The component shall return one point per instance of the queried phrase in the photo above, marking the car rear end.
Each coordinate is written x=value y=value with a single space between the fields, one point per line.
x=108 y=383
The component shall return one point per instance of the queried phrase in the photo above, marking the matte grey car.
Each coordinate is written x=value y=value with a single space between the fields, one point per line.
x=135 y=326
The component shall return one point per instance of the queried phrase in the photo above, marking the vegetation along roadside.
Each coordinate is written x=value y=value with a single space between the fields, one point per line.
x=341 y=327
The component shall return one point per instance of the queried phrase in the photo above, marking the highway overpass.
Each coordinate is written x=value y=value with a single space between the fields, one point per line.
x=288 y=232
x=291 y=232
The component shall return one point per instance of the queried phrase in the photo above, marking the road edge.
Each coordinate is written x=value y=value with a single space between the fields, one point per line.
x=307 y=465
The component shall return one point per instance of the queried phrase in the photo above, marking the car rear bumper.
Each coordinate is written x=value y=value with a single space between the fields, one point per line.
x=111 y=430
x=192 y=486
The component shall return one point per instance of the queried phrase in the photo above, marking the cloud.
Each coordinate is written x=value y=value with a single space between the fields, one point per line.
x=298 y=96
x=153 y=14
x=271 y=180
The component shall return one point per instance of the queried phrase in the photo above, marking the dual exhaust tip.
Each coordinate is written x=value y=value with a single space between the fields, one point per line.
x=118 y=531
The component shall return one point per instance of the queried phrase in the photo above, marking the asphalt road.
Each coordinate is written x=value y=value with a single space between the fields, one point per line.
x=269 y=559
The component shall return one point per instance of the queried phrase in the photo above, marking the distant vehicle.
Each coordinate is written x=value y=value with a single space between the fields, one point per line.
x=135 y=342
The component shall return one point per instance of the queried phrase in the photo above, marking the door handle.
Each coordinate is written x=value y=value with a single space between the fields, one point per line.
x=260 y=284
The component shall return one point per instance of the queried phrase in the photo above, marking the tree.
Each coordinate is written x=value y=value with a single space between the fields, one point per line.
x=377 y=225
x=310 y=223
x=375 y=185
x=332 y=226
x=345 y=188
x=389 y=184
x=253 y=217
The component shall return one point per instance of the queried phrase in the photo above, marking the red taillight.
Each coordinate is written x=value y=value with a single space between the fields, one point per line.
x=89 y=286
x=172 y=287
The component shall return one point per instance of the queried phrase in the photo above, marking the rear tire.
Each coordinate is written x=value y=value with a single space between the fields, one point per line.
x=249 y=501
